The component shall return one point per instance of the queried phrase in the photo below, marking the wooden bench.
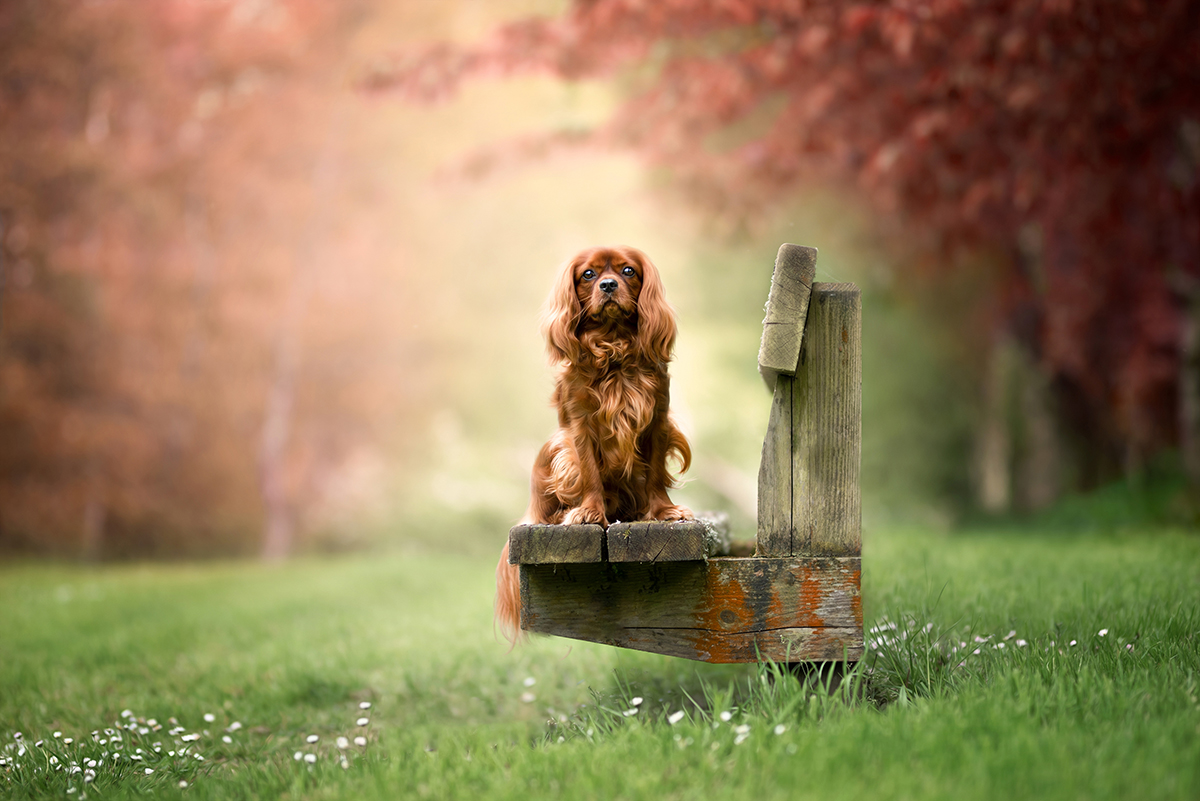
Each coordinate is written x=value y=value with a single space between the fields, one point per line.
x=673 y=588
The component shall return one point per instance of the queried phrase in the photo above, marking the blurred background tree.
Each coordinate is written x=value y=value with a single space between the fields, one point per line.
x=247 y=307
x=163 y=246
x=1052 y=146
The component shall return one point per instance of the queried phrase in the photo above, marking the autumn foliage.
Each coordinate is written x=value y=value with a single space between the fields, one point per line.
x=171 y=344
x=1060 y=140
x=209 y=321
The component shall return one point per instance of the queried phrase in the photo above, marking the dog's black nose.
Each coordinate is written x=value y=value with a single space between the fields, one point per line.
x=608 y=285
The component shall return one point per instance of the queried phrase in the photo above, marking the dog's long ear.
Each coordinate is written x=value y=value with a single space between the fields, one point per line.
x=656 y=318
x=560 y=315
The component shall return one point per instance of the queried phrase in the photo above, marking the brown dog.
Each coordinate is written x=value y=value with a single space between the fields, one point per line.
x=610 y=332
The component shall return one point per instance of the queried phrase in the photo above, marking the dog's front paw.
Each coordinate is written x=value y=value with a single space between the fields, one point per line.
x=584 y=514
x=670 y=512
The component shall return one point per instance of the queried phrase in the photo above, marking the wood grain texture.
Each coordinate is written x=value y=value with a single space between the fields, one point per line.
x=533 y=544
x=787 y=307
x=715 y=611
x=809 y=503
x=827 y=427
x=779 y=645
x=775 y=475
x=658 y=541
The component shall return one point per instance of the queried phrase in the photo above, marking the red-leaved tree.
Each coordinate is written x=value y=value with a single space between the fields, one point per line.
x=174 y=369
x=1060 y=137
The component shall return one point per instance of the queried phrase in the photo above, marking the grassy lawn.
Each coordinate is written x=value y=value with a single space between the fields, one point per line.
x=1086 y=684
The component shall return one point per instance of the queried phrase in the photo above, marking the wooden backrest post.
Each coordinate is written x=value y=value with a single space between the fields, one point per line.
x=809 y=502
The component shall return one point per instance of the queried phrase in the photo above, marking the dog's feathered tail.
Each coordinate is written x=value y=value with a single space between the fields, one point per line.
x=677 y=446
x=508 y=598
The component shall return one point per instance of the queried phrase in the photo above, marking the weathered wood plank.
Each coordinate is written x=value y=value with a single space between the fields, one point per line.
x=778 y=645
x=775 y=484
x=827 y=426
x=534 y=544
x=787 y=307
x=714 y=611
x=660 y=541
x=808 y=491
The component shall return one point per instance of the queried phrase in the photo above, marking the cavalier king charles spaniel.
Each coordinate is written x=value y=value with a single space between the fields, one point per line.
x=610 y=332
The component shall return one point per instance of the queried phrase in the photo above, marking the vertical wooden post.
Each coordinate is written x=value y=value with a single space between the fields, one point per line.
x=809 y=502
x=778 y=359
x=775 y=483
x=827 y=427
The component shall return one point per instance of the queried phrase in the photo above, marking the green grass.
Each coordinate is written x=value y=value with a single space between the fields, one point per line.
x=292 y=651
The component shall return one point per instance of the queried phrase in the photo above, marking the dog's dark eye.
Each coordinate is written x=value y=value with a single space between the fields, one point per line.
x=628 y=270
x=588 y=275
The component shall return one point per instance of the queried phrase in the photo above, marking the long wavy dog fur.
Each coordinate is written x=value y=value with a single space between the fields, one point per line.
x=609 y=332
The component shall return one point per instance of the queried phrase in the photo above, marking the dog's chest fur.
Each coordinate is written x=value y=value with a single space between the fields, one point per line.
x=618 y=397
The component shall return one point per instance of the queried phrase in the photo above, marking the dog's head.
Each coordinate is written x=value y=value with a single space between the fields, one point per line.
x=609 y=287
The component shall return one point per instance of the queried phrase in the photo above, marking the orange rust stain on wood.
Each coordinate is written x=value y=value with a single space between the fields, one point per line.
x=809 y=599
x=777 y=606
x=856 y=596
x=723 y=608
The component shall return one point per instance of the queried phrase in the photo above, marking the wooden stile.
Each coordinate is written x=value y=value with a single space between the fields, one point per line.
x=786 y=312
x=643 y=541
x=808 y=481
x=719 y=610
x=775 y=484
x=536 y=544
x=652 y=541
x=827 y=427
x=667 y=588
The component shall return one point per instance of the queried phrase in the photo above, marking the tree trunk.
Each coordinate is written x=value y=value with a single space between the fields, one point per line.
x=93 y=528
x=1189 y=388
x=278 y=536
x=1041 y=464
x=198 y=227
x=993 y=452
x=278 y=420
x=94 y=513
